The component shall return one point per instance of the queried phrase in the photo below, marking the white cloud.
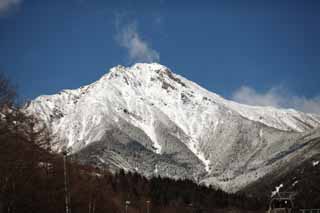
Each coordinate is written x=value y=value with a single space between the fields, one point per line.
x=248 y=95
x=307 y=105
x=6 y=5
x=138 y=49
x=276 y=97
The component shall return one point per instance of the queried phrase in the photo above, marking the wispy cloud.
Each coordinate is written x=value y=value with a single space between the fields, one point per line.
x=276 y=97
x=7 y=5
x=127 y=36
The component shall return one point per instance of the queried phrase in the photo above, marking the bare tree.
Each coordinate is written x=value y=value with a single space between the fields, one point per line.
x=21 y=137
x=7 y=92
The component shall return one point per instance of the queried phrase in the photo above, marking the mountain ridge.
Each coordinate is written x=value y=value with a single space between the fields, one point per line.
x=202 y=135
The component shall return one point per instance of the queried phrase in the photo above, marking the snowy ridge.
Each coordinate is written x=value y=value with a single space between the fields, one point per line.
x=172 y=117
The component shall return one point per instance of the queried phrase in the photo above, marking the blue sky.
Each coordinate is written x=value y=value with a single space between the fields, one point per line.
x=255 y=52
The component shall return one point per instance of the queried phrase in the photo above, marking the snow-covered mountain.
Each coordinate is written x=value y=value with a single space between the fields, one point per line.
x=302 y=179
x=148 y=119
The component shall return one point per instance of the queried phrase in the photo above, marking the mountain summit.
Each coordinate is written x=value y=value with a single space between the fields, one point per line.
x=147 y=119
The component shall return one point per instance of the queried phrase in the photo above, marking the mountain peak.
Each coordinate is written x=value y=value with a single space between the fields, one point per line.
x=180 y=129
x=148 y=67
x=147 y=74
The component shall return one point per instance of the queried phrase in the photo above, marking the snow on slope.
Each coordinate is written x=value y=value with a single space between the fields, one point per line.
x=162 y=104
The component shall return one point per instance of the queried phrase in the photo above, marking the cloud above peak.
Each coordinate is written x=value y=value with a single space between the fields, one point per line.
x=128 y=37
x=6 y=5
x=276 y=97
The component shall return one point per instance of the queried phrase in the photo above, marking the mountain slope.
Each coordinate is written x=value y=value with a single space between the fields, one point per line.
x=148 y=119
x=303 y=179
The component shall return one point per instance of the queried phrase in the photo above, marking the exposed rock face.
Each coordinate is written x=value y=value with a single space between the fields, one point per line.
x=148 y=119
